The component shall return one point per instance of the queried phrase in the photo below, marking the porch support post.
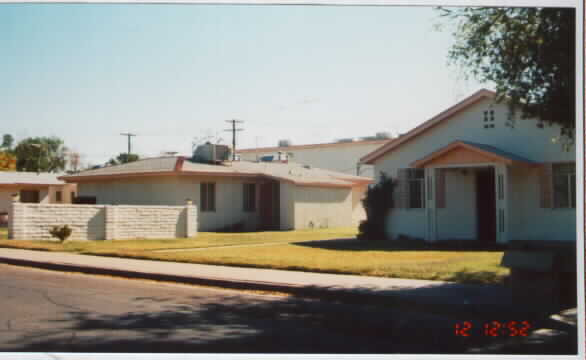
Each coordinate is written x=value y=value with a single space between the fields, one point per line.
x=430 y=205
x=501 y=173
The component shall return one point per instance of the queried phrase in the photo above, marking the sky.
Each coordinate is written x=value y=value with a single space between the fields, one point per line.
x=173 y=74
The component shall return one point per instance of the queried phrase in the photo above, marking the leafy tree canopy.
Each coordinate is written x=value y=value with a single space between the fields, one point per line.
x=7 y=141
x=123 y=158
x=7 y=161
x=43 y=154
x=529 y=53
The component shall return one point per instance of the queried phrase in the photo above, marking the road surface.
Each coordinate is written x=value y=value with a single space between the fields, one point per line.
x=48 y=311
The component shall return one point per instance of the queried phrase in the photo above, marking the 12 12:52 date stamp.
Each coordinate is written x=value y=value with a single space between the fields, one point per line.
x=493 y=328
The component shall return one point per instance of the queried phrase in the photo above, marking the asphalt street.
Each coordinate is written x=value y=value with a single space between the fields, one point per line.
x=49 y=311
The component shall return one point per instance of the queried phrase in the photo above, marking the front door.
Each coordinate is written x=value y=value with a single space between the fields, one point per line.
x=486 y=205
x=269 y=205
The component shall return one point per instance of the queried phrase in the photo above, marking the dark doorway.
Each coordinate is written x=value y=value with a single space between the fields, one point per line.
x=29 y=196
x=269 y=206
x=486 y=205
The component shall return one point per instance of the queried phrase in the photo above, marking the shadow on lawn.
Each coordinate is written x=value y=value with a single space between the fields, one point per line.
x=236 y=324
x=353 y=244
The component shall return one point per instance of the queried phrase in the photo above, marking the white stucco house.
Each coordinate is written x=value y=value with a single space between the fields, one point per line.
x=472 y=172
x=257 y=195
x=342 y=156
x=32 y=187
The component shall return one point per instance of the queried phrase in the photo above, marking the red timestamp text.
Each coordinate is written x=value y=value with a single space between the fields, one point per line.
x=493 y=328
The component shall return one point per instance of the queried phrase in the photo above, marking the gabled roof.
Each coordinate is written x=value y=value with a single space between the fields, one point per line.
x=313 y=146
x=478 y=152
x=29 y=178
x=421 y=129
x=180 y=166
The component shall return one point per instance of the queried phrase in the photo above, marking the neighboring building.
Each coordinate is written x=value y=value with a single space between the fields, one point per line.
x=33 y=188
x=473 y=173
x=342 y=156
x=255 y=195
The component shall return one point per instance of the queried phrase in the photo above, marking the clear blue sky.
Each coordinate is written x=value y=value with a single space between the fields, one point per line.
x=172 y=73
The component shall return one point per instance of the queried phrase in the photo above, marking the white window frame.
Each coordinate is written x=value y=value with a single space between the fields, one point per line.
x=419 y=182
x=207 y=203
x=570 y=179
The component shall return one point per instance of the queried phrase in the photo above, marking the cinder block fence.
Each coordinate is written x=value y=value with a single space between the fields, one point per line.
x=101 y=222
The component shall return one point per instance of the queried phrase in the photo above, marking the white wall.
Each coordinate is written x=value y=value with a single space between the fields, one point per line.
x=525 y=139
x=287 y=206
x=358 y=212
x=99 y=222
x=529 y=221
x=340 y=157
x=166 y=190
x=322 y=207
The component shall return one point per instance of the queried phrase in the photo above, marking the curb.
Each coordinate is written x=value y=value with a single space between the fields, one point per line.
x=315 y=292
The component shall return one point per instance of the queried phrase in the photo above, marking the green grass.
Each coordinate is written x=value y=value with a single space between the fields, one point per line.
x=378 y=258
x=202 y=240
x=3 y=233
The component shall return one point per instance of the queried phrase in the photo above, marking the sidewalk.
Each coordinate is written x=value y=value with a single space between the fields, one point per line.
x=296 y=282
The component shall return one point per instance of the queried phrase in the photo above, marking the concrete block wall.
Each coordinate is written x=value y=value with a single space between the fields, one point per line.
x=99 y=222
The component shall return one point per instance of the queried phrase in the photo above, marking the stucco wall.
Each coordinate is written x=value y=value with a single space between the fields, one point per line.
x=531 y=222
x=342 y=157
x=287 y=206
x=166 y=190
x=98 y=222
x=358 y=212
x=322 y=207
x=458 y=219
x=5 y=199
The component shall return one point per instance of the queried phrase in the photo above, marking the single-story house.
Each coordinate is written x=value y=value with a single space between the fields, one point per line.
x=34 y=187
x=257 y=195
x=475 y=172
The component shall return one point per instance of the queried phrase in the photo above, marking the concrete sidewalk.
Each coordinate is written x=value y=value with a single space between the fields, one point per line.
x=296 y=282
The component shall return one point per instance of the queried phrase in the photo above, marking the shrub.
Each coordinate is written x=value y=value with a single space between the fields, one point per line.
x=377 y=204
x=60 y=232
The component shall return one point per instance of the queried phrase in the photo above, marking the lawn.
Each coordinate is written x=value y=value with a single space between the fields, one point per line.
x=287 y=251
x=202 y=240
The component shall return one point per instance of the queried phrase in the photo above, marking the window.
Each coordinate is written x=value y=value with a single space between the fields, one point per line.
x=249 y=198
x=29 y=196
x=208 y=196
x=73 y=196
x=58 y=196
x=489 y=119
x=564 y=185
x=415 y=184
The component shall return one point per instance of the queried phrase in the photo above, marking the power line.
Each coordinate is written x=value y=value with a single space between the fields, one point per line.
x=129 y=135
x=234 y=122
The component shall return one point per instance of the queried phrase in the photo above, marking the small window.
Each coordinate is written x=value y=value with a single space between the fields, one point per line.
x=29 y=196
x=249 y=197
x=564 y=185
x=208 y=197
x=416 y=183
x=58 y=196
x=488 y=119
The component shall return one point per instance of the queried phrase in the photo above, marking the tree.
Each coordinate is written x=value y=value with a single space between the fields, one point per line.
x=7 y=161
x=7 y=141
x=41 y=154
x=377 y=204
x=123 y=158
x=74 y=159
x=529 y=53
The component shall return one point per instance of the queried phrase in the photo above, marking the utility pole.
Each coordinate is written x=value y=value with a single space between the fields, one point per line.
x=129 y=135
x=234 y=122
